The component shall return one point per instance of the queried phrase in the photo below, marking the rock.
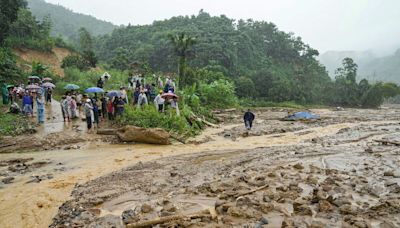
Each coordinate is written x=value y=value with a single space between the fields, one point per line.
x=146 y=208
x=263 y=221
x=317 y=224
x=129 y=216
x=95 y=211
x=169 y=208
x=8 y=180
x=388 y=173
x=301 y=209
x=267 y=207
x=325 y=206
x=144 y=135
x=287 y=224
x=243 y=201
x=236 y=212
x=298 y=166
x=347 y=210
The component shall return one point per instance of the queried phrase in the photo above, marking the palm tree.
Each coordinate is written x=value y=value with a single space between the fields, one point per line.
x=182 y=42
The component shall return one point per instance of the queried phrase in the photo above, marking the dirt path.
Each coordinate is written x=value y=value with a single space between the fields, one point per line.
x=25 y=204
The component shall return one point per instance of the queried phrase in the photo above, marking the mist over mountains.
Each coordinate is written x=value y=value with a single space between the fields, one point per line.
x=370 y=65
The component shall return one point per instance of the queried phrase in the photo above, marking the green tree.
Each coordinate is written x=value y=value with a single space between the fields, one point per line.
x=346 y=87
x=8 y=14
x=182 y=42
x=245 y=87
x=38 y=69
x=85 y=40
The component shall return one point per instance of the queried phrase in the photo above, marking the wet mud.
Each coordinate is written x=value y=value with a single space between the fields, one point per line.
x=327 y=173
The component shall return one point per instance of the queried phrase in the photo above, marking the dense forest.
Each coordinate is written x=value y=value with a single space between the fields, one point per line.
x=66 y=23
x=207 y=55
x=264 y=61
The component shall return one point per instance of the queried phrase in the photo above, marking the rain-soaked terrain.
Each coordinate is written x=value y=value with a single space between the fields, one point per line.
x=333 y=172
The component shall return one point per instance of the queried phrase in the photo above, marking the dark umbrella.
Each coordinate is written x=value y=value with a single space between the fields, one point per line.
x=169 y=95
x=94 y=90
x=114 y=94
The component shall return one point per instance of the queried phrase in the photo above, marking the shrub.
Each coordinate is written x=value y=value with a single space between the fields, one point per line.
x=149 y=117
x=75 y=61
x=218 y=94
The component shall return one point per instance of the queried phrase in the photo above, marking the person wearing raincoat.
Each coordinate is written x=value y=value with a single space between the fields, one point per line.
x=4 y=92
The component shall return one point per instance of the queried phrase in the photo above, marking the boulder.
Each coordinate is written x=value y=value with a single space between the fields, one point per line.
x=143 y=135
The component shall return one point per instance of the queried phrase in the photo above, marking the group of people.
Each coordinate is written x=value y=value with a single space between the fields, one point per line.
x=109 y=105
x=23 y=99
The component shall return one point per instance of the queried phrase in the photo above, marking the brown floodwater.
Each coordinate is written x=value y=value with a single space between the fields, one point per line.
x=35 y=204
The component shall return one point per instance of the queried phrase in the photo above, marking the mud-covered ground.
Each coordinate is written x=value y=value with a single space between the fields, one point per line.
x=325 y=173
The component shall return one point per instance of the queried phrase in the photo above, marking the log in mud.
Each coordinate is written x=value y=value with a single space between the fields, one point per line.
x=325 y=173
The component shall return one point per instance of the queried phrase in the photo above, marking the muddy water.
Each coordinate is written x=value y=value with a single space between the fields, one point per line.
x=35 y=204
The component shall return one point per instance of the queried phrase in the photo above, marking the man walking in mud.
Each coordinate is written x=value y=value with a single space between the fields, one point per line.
x=248 y=119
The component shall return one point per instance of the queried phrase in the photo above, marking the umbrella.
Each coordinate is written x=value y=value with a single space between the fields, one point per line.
x=48 y=85
x=114 y=94
x=10 y=86
x=33 y=77
x=94 y=90
x=106 y=75
x=47 y=79
x=71 y=87
x=169 y=95
x=33 y=87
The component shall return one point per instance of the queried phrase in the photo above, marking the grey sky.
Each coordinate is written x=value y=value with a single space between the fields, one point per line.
x=324 y=24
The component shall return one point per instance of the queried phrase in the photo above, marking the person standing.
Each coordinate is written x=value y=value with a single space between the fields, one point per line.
x=120 y=106
x=248 y=119
x=73 y=107
x=27 y=103
x=88 y=108
x=142 y=99
x=159 y=102
x=67 y=108
x=110 y=110
x=40 y=108
x=49 y=92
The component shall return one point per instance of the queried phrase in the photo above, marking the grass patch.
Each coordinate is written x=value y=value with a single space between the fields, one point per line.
x=149 y=117
x=12 y=124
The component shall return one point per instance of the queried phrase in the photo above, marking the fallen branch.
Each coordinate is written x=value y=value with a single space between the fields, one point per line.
x=385 y=142
x=252 y=191
x=149 y=223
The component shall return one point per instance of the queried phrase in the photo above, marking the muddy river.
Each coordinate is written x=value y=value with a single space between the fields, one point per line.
x=39 y=183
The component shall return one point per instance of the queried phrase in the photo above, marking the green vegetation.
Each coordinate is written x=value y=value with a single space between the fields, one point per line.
x=12 y=124
x=149 y=117
x=66 y=23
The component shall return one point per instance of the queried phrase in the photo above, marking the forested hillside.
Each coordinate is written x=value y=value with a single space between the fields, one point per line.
x=371 y=67
x=66 y=23
x=262 y=60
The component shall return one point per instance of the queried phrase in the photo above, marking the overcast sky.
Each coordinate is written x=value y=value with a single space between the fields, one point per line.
x=324 y=24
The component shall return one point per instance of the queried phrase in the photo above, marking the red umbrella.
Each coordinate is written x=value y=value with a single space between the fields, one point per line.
x=169 y=96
